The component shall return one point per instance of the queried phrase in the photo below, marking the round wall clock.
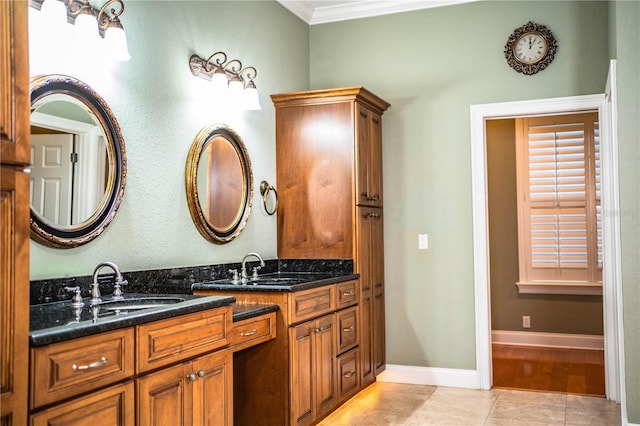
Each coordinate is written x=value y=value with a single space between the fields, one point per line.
x=530 y=48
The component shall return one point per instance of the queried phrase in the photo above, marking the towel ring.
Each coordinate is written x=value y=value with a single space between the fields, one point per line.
x=264 y=190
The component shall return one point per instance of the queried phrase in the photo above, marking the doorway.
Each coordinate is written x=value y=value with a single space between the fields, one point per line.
x=542 y=199
x=611 y=275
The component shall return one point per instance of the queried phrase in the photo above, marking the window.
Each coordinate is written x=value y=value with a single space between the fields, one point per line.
x=559 y=213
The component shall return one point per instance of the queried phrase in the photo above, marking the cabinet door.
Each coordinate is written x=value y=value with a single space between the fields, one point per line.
x=213 y=395
x=366 y=339
x=314 y=163
x=14 y=72
x=369 y=160
x=324 y=373
x=14 y=213
x=377 y=273
x=108 y=407
x=301 y=372
x=14 y=295
x=166 y=397
x=313 y=369
x=370 y=266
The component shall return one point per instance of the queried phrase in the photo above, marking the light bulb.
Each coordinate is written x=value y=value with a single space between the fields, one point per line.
x=236 y=87
x=116 y=40
x=54 y=10
x=219 y=81
x=251 y=98
x=87 y=26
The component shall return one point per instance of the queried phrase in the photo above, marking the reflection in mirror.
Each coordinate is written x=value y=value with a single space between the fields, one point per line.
x=69 y=161
x=219 y=183
x=78 y=165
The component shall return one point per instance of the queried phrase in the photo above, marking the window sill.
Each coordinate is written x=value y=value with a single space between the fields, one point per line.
x=576 y=289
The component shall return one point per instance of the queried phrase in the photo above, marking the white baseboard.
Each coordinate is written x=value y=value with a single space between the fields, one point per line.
x=430 y=376
x=555 y=340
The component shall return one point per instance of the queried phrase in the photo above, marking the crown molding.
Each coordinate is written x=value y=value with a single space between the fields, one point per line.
x=358 y=9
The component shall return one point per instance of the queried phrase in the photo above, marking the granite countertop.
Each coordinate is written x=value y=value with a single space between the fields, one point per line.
x=277 y=282
x=59 y=321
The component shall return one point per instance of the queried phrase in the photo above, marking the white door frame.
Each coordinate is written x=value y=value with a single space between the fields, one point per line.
x=611 y=230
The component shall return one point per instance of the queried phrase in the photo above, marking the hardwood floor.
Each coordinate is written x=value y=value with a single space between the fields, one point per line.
x=573 y=371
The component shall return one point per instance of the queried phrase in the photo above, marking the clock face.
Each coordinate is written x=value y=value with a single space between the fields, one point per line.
x=530 y=48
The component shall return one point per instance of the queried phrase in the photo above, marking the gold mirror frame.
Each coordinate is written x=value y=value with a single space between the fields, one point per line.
x=226 y=233
x=55 y=236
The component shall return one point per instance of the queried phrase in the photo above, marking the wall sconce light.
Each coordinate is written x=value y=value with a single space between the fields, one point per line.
x=228 y=77
x=102 y=25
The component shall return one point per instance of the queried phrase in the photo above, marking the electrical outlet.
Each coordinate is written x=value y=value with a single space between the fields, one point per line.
x=526 y=321
x=423 y=241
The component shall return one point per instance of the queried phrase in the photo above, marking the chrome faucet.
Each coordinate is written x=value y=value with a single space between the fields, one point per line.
x=243 y=272
x=117 y=291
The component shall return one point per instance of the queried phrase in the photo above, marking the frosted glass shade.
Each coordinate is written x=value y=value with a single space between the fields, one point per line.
x=116 y=41
x=54 y=10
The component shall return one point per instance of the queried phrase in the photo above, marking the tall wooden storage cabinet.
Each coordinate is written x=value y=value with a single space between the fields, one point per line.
x=14 y=213
x=329 y=177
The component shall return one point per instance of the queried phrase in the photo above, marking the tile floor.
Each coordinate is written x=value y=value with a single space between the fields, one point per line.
x=418 y=405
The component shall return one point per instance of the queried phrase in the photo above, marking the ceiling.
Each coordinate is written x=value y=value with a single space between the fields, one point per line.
x=324 y=11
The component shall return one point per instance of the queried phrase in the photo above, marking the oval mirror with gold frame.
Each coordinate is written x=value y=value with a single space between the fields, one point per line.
x=219 y=183
x=78 y=162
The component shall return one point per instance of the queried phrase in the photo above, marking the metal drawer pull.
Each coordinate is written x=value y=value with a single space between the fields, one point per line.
x=349 y=293
x=320 y=329
x=250 y=333
x=348 y=329
x=95 y=364
x=349 y=374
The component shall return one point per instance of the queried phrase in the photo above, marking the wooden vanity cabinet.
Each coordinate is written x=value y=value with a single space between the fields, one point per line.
x=173 y=371
x=329 y=178
x=294 y=379
x=14 y=213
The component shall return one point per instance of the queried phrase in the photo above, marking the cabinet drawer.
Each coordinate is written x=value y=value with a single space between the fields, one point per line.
x=348 y=365
x=252 y=331
x=65 y=369
x=347 y=329
x=347 y=294
x=164 y=342
x=311 y=303
x=111 y=406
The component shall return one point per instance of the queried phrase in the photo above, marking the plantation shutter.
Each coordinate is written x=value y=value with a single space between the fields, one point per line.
x=559 y=192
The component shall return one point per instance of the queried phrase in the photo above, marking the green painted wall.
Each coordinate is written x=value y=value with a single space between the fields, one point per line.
x=161 y=107
x=549 y=313
x=625 y=17
x=431 y=65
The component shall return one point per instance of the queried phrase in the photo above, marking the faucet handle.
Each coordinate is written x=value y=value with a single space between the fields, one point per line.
x=76 y=300
x=234 y=278
x=117 y=288
x=254 y=275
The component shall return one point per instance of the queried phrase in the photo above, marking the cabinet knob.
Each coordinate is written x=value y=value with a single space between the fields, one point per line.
x=192 y=377
x=201 y=373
